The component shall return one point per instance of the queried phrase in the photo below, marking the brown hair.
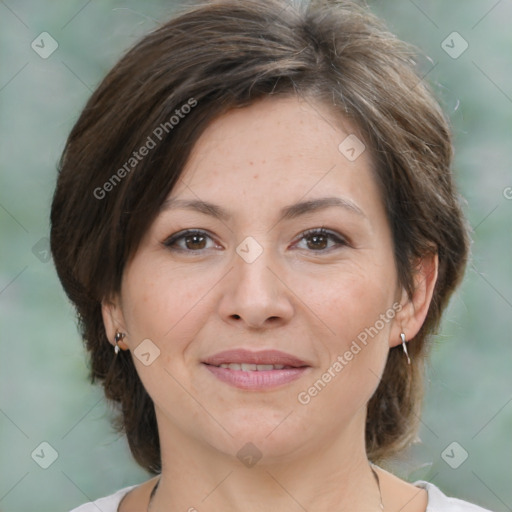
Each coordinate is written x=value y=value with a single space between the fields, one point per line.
x=227 y=54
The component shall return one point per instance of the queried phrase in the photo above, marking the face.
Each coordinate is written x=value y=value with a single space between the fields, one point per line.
x=308 y=293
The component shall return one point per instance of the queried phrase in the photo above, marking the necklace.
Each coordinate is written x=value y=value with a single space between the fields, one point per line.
x=151 y=496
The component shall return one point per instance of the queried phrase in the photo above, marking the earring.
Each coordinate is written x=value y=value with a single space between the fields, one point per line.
x=404 y=346
x=117 y=339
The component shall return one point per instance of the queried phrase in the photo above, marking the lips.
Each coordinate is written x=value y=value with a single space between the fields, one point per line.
x=247 y=357
x=255 y=371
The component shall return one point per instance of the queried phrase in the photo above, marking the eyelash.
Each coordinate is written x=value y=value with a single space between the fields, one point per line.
x=340 y=240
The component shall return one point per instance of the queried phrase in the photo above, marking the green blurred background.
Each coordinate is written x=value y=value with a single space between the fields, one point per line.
x=45 y=395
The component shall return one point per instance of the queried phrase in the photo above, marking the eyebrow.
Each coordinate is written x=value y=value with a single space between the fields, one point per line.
x=287 y=213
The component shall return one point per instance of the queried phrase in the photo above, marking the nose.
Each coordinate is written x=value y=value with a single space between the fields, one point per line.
x=255 y=293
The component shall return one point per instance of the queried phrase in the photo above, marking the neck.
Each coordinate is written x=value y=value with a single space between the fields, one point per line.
x=198 y=477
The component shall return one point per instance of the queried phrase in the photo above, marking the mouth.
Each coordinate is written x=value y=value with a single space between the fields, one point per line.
x=249 y=367
x=255 y=371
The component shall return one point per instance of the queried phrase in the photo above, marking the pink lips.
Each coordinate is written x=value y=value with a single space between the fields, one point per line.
x=262 y=357
x=256 y=379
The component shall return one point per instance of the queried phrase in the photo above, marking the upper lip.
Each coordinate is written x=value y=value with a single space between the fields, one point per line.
x=261 y=357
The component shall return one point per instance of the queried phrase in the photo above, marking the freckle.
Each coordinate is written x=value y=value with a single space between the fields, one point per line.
x=251 y=163
x=255 y=176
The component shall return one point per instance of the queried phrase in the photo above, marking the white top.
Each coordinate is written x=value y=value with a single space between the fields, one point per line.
x=437 y=501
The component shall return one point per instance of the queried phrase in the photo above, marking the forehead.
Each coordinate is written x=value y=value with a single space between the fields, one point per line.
x=274 y=150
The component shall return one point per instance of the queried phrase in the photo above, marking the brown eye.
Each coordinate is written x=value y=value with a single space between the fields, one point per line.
x=188 y=241
x=318 y=240
x=195 y=241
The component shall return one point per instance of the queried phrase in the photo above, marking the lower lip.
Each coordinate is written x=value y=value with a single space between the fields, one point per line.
x=256 y=380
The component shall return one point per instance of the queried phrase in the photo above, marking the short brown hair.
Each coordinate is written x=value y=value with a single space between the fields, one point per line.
x=227 y=54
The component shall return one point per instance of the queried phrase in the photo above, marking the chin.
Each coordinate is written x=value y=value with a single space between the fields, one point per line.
x=261 y=432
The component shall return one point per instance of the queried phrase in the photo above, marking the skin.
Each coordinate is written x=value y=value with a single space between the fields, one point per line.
x=305 y=297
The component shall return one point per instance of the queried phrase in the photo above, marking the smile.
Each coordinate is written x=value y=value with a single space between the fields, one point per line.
x=255 y=371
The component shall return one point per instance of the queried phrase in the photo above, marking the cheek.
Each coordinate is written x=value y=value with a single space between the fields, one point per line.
x=353 y=359
x=162 y=305
x=358 y=308
x=352 y=299
x=166 y=305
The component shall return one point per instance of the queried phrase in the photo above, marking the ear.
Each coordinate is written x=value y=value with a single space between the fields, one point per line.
x=113 y=320
x=414 y=309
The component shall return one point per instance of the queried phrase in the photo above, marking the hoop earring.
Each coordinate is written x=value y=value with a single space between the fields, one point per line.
x=404 y=347
x=117 y=339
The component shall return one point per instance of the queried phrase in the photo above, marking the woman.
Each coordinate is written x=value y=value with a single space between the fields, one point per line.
x=256 y=219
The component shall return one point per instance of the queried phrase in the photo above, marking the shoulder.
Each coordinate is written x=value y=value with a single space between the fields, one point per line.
x=439 y=502
x=106 y=504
